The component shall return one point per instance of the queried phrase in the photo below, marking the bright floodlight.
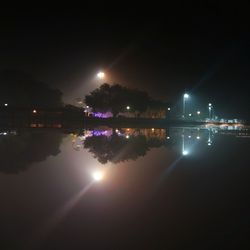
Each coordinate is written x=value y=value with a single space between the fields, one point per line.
x=186 y=95
x=6 y=104
x=101 y=75
x=97 y=175
x=198 y=112
x=34 y=111
x=184 y=152
x=169 y=109
x=189 y=114
x=128 y=107
x=210 y=104
x=198 y=137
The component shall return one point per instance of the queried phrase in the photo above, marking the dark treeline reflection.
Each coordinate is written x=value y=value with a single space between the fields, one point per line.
x=19 y=151
x=125 y=144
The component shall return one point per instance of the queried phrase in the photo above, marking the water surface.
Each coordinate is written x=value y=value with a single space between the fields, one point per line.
x=124 y=188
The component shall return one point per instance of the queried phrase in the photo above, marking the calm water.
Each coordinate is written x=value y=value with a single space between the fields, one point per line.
x=125 y=188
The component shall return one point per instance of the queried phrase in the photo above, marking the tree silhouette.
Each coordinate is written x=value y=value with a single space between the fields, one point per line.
x=115 y=98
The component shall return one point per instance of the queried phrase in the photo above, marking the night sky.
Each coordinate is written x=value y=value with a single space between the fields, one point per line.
x=203 y=49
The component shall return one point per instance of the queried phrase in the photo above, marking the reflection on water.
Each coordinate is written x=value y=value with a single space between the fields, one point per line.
x=19 y=149
x=121 y=144
x=167 y=183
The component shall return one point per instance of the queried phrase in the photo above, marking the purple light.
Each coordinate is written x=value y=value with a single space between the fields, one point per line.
x=102 y=132
x=102 y=115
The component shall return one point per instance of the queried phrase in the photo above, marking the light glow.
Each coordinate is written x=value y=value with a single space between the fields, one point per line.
x=98 y=175
x=101 y=75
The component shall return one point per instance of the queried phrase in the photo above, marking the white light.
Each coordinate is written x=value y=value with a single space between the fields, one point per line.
x=87 y=107
x=189 y=114
x=210 y=104
x=169 y=109
x=210 y=108
x=168 y=137
x=6 y=104
x=97 y=176
x=116 y=130
x=128 y=107
x=186 y=95
x=127 y=136
x=4 y=133
x=198 y=112
x=198 y=137
x=34 y=111
x=184 y=152
x=209 y=144
x=189 y=136
x=101 y=75
x=152 y=129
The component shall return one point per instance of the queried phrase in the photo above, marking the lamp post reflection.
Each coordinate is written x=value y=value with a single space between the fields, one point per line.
x=184 y=150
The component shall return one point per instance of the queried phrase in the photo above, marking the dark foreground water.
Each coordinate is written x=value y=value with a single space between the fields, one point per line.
x=125 y=188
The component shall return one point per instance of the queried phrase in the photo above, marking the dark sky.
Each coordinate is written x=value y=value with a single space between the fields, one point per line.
x=203 y=49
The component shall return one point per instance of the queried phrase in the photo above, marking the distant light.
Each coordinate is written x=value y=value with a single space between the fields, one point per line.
x=198 y=137
x=189 y=114
x=209 y=107
x=186 y=95
x=6 y=104
x=184 y=152
x=97 y=175
x=34 y=111
x=127 y=136
x=87 y=107
x=209 y=143
x=128 y=107
x=116 y=130
x=168 y=137
x=169 y=109
x=101 y=75
x=189 y=136
x=152 y=129
x=210 y=104
x=4 y=133
x=198 y=112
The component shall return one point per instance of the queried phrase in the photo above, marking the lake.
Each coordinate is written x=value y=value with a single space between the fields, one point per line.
x=125 y=188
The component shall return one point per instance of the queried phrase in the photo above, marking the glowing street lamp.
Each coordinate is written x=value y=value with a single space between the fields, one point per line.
x=198 y=112
x=185 y=97
x=128 y=107
x=100 y=75
x=210 y=109
x=6 y=104
x=169 y=109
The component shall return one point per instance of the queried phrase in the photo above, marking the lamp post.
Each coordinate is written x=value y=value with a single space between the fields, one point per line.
x=185 y=97
x=210 y=110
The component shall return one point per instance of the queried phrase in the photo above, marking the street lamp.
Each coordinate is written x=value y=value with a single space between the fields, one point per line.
x=100 y=75
x=210 y=109
x=185 y=97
